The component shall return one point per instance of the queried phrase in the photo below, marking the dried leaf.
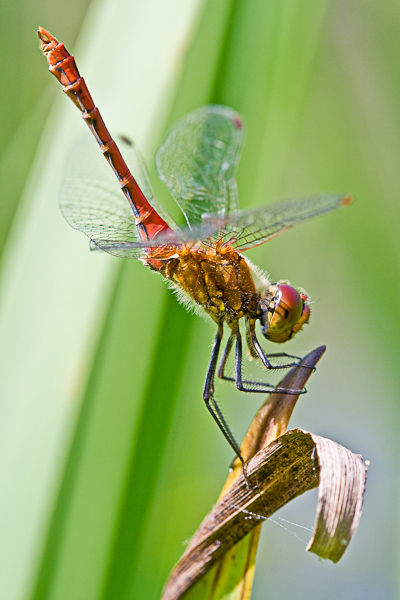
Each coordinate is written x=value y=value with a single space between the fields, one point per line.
x=285 y=468
x=289 y=466
x=342 y=482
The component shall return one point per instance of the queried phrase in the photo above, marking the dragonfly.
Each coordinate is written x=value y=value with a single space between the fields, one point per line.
x=203 y=260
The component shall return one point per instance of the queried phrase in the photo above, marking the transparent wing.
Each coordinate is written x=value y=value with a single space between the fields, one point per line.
x=92 y=201
x=198 y=159
x=164 y=244
x=247 y=229
x=252 y=228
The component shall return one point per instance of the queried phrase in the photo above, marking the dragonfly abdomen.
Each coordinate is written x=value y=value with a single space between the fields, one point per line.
x=62 y=65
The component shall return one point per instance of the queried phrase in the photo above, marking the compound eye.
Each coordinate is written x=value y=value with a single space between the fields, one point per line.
x=305 y=315
x=284 y=314
x=287 y=309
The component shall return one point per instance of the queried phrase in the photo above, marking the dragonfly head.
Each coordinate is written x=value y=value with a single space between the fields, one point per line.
x=284 y=311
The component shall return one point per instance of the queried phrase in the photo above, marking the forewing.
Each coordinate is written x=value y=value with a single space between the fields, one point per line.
x=167 y=243
x=198 y=159
x=92 y=201
x=252 y=228
x=242 y=230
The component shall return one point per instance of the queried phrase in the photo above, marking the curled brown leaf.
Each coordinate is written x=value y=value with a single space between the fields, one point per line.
x=280 y=471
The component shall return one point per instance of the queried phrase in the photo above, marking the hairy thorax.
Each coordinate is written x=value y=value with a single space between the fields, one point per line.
x=219 y=280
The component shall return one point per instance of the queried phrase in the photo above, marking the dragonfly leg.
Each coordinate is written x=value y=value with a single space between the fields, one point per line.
x=286 y=355
x=245 y=385
x=241 y=383
x=211 y=404
x=225 y=356
x=238 y=361
x=264 y=358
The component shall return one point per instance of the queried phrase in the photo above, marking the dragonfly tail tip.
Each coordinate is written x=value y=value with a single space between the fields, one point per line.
x=44 y=36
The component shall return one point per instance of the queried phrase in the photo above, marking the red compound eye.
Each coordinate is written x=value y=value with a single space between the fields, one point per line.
x=287 y=314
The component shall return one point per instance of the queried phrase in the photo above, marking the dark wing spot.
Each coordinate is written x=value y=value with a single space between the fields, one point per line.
x=126 y=140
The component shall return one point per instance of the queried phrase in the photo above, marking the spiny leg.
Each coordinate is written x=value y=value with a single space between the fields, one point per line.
x=287 y=366
x=283 y=355
x=225 y=356
x=221 y=369
x=211 y=404
x=246 y=385
x=263 y=386
x=257 y=351
x=239 y=381
x=264 y=359
x=238 y=361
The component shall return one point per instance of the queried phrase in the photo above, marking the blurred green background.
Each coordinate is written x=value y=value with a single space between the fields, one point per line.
x=108 y=458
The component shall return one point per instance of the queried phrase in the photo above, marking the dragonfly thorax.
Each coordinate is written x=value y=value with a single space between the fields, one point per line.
x=218 y=280
x=284 y=311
